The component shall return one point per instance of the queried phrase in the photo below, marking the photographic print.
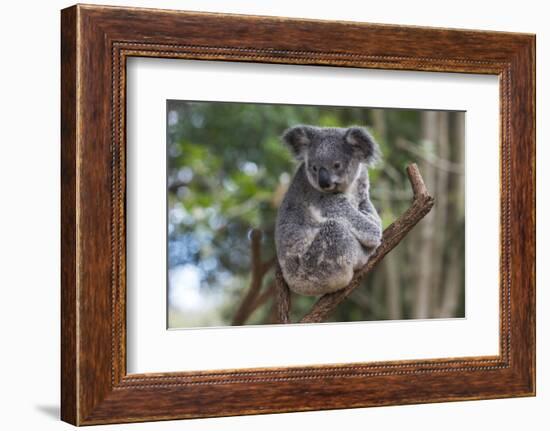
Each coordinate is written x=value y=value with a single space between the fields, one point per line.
x=310 y=188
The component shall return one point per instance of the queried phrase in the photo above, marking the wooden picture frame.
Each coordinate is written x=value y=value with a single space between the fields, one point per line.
x=95 y=43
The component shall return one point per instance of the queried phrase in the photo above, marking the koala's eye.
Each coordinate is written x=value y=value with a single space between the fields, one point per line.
x=337 y=165
x=314 y=168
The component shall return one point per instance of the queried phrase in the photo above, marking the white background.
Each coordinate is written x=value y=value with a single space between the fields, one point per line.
x=151 y=348
x=29 y=227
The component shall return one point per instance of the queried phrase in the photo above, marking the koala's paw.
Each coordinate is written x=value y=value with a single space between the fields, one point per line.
x=376 y=242
x=370 y=236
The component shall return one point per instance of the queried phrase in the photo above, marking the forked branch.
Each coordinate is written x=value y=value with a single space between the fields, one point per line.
x=253 y=299
x=421 y=205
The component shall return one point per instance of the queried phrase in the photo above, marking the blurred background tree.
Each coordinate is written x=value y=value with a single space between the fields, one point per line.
x=228 y=172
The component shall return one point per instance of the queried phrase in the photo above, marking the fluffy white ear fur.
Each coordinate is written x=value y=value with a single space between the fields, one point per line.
x=364 y=143
x=298 y=138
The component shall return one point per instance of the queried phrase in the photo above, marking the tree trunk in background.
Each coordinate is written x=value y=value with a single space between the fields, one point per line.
x=391 y=269
x=424 y=285
x=441 y=214
x=393 y=293
x=454 y=276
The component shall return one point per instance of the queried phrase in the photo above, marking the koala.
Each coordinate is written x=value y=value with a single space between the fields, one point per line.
x=326 y=226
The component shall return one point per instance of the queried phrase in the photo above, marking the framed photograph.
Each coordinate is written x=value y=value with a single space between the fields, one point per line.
x=263 y=214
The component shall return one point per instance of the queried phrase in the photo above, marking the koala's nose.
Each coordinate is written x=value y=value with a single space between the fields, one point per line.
x=324 y=178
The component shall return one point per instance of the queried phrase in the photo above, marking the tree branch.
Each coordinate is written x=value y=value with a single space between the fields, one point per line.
x=259 y=269
x=422 y=204
x=264 y=296
x=440 y=163
x=282 y=297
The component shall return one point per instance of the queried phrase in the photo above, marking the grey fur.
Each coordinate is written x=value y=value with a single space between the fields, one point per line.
x=327 y=226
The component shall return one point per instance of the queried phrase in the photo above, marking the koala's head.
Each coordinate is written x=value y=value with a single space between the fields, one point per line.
x=332 y=156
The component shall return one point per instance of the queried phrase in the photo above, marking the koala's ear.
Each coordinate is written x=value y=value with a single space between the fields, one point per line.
x=298 y=138
x=363 y=143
